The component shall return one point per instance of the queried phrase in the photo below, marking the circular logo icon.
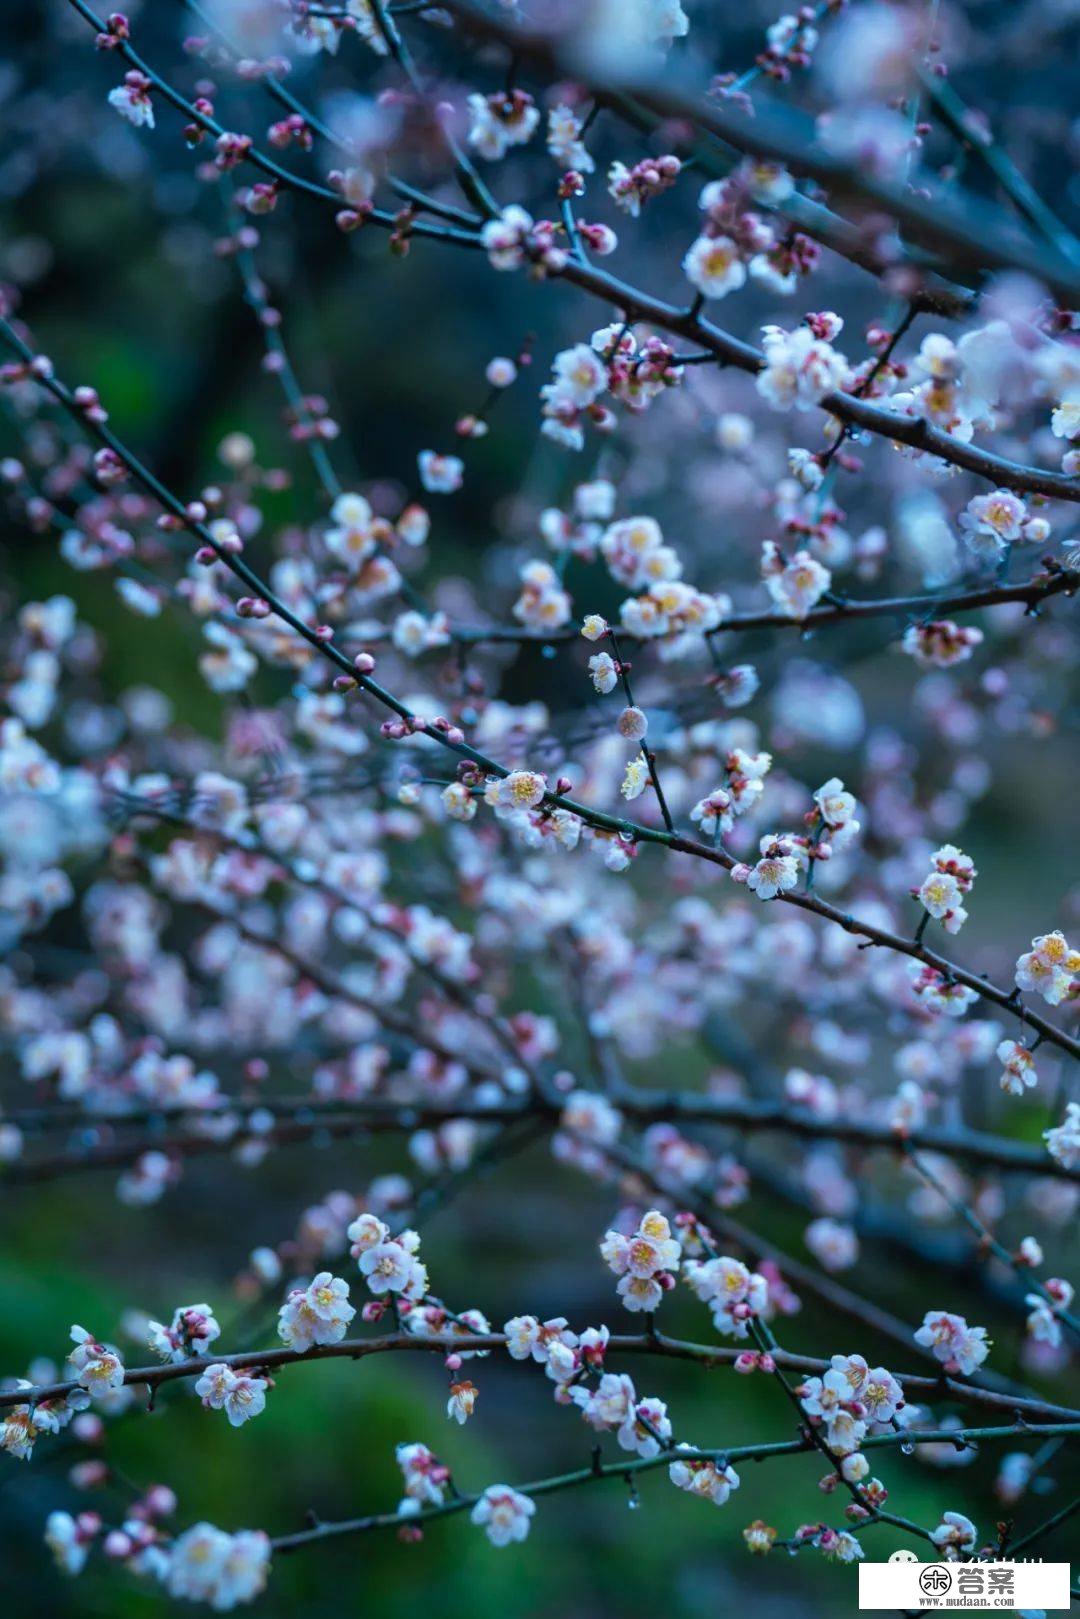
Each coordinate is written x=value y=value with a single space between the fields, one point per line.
x=935 y=1580
x=904 y=1557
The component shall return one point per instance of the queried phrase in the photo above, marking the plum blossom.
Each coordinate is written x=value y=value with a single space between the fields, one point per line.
x=841 y=1547
x=440 y=474
x=543 y=604
x=564 y=140
x=1063 y=1140
x=604 y=672
x=520 y=790
x=229 y=665
x=425 y=1477
x=951 y=878
x=354 y=533
x=954 y=1535
x=675 y=611
x=641 y=1426
x=938 y=993
x=715 y=813
x=462 y=1399
x=833 y=1244
x=941 y=643
x=209 y=1565
x=1018 y=1072
x=644 y=1262
x=663 y=20
x=240 y=1397
x=527 y=1337
x=703 y=1478
x=734 y=1294
x=1048 y=968
x=635 y=778
x=957 y=1346
x=98 y=1368
x=22 y=1425
x=797 y=583
x=800 y=368
x=846 y=1432
x=392 y=1266
x=777 y=870
x=192 y=1330
x=507 y=240
x=991 y=522
x=498 y=122
x=70 y=1539
x=503 y=1514
x=1043 y=1322
x=316 y=1314
x=414 y=633
x=836 y=809
x=631 y=188
x=132 y=100
x=580 y=376
x=714 y=267
x=635 y=553
x=760 y=1537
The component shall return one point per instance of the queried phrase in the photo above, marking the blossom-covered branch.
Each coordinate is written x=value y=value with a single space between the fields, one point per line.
x=410 y=792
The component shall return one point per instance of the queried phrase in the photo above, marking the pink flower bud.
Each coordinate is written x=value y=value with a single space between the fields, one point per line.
x=160 y=1501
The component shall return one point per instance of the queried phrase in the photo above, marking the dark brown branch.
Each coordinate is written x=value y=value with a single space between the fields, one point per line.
x=592 y=817
x=973 y=242
x=709 y=1355
x=750 y=1116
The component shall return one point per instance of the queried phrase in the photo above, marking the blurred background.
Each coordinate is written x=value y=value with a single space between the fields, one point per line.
x=111 y=240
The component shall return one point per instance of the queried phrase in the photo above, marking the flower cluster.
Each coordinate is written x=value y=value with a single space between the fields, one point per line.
x=239 y=1396
x=957 y=1346
x=1049 y=968
x=388 y=1264
x=316 y=1314
x=736 y=1296
x=952 y=876
x=191 y=1332
x=645 y=1261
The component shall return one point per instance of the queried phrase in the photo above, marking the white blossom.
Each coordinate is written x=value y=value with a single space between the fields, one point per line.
x=503 y=1514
